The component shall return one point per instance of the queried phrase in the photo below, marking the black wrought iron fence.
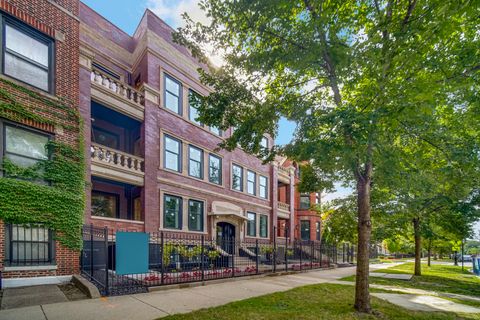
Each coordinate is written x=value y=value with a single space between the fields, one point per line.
x=182 y=258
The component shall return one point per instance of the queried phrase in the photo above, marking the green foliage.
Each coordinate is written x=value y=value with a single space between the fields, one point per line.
x=472 y=247
x=51 y=192
x=171 y=249
x=384 y=94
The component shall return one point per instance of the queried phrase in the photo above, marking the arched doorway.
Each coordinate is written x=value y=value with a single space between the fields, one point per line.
x=226 y=236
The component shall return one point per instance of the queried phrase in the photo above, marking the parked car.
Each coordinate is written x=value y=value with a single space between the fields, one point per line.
x=465 y=258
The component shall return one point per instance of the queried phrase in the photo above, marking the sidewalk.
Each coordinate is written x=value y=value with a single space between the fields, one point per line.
x=162 y=303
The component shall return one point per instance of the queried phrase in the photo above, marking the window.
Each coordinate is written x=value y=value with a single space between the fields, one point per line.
x=263 y=226
x=317 y=231
x=105 y=138
x=195 y=215
x=172 y=154
x=251 y=182
x=237 y=178
x=23 y=147
x=215 y=130
x=263 y=187
x=264 y=143
x=317 y=198
x=27 y=55
x=29 y=245
x=173 y=95
x=305 y=230
x=105 y=204
x=251 y=224
x=195 y=162
x=193 y=102
x=137 y=209
x=305 y=201
x=172 y=212
x=214 y=169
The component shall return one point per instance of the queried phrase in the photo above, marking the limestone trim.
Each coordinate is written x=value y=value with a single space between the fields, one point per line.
x=244 y=181
x=116 y=220
x=184 y=158
x=105 y=170
x=185 y=200
x=213 y=193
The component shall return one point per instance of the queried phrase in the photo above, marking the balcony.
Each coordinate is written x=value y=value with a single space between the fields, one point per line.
x=283 y=210
x=117 y=95
x=117 y=165
x=112 y=200
x=284 y=175
x=116 y=146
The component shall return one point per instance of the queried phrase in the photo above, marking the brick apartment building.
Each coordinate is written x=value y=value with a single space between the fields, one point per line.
x=39 y=72
x=152 y=166
x=307 y=224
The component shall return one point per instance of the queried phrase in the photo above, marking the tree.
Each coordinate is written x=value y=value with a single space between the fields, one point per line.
x=363 y=81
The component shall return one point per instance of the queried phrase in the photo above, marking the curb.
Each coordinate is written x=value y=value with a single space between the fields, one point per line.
x=86 y=286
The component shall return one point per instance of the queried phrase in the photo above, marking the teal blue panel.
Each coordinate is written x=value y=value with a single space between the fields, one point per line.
x=131 y=254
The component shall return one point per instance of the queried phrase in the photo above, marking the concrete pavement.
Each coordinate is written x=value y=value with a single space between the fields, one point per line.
x=147 y=306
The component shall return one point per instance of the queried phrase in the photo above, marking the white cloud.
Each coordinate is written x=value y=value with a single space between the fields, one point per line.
x=171 y=11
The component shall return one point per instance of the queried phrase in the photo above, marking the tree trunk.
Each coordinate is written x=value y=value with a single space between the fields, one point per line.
x=429 y=251
x=362 y=295
x=418 y=246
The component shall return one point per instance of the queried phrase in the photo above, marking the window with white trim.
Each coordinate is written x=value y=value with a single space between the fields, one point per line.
x=237 y=178
x=195 y=162
x=173 y=95
x=172 y=154
x=263 y=187
x=251 y=182
x=193 y=102
x=214 y=169
x=263 y=226
x=251 y=224
x=172 y=212
x=195 y=215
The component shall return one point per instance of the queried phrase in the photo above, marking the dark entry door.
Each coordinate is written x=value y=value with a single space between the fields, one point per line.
x=226 y=236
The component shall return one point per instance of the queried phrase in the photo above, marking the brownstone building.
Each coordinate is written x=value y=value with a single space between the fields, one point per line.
x=152 y=166
x=39 y=72
x=307 y=224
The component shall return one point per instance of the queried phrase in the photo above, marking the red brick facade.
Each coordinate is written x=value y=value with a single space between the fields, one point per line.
x=58 y=20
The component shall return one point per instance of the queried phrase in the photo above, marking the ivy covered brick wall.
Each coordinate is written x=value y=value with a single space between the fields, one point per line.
x=59 y=202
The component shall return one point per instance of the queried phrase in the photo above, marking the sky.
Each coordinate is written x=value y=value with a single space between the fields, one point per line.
x=126 y=14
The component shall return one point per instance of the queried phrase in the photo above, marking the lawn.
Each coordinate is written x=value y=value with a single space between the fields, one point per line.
x=443 y=278
x=323 y=301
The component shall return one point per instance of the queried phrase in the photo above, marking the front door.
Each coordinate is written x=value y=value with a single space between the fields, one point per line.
x=226 y=236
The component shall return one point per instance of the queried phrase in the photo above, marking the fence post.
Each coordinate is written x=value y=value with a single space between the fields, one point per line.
x=105 y=234
x=256 y=256
x=274 y=251
x=162 y=252
x=91 y=251
x=321 y=249
x=203 y=257
x=233 y=257
x=286 y=249
x=301 y=253
x=312 y=252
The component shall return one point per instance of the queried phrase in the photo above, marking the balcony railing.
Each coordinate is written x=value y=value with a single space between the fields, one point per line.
x=117 y=158
x=119 y=88
x=283 y=170
x=283 y=206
